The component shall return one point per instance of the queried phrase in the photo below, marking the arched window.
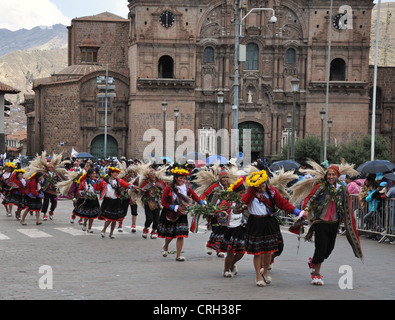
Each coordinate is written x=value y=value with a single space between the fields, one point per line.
x=338 y=70
x=252 y=62
x=208 y=55
x=290 y=56
x=166 y=67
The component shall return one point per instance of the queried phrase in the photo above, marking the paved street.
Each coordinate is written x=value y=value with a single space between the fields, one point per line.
x=86 y=266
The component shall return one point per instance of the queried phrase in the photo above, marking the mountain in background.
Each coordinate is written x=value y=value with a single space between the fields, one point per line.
x=54 y=37
x=37 y=53
x=26 y=55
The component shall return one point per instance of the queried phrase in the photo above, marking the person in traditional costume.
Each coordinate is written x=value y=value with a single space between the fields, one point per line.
x=33 y=196
x=87 y=206
x=17 y=191
x=152 y=189
x=111 y=208
x=54 y=172
x=127 y=198
x=326 y=205
x=229 y=237
x=173 y=221
x=263 y=235
x=5 y=187
x=51 y=178
x=211 y=196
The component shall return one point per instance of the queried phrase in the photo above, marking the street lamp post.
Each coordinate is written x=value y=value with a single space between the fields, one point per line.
x=322 y=115
x=220 y=101
x=164 y=107
x=295 y=88
x=330 y=123
x=176 y=113
x=289 y=119
x=235 y=106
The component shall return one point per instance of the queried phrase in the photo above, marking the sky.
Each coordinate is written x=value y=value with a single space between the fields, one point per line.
x=18 y=14
x=27 y=14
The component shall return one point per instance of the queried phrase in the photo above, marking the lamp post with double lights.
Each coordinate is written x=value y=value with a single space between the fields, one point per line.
x=164 y=108
x=322 y=116
x=295 y=88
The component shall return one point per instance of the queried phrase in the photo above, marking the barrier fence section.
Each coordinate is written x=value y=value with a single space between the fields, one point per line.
x=380 y=222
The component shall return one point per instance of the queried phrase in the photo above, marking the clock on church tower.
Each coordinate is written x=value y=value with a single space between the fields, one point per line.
x=166 y=19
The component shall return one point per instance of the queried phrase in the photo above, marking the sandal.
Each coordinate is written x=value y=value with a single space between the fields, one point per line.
x=23 y=223
x=260 y=283
x=317 y=279
x=228 y=274
x=267 y=279
x=180 y=258
x=164 y=253
x=234 y=270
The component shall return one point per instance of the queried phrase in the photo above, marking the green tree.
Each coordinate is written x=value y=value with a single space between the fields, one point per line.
x=358 y=151
x=308 y=148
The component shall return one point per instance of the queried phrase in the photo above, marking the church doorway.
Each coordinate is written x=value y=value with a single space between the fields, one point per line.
x=97 y=147
x=257 y=138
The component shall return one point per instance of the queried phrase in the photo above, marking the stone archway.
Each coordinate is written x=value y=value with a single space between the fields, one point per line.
x=257 y=138
x=97 y=146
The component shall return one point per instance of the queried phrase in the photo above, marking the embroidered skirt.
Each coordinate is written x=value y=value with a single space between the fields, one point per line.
x=16 y=199
x=173 y=229
x=33 y=204
x=111 y=209
x=263 y=235
x=225 y=239
x=87 y=208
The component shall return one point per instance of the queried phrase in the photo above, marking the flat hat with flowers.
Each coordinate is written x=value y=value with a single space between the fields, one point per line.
x=179 y=171
x=256 y=178
x=10 y=164
x=112 y=169
x=237 y=185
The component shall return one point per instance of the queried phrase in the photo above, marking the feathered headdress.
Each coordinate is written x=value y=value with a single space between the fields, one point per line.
x=209 y=175
x=40 y=164
x=302 y=189
x=280 y=179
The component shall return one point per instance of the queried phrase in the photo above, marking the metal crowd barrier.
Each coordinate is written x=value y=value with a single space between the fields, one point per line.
x=380 y=223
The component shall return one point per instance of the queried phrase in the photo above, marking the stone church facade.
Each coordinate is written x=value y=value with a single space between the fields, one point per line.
x=182 y=52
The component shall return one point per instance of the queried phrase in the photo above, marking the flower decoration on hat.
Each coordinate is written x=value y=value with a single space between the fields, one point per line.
x=236 y=184
x=19 y=170
x=112 y=169
x=80 y=179
x=32 y=176
x=10 y=165
x=181 y=172
x=255 y=179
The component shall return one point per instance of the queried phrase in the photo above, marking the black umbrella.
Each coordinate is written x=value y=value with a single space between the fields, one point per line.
x=286 y=164
x=390 y=176
x=376 y=166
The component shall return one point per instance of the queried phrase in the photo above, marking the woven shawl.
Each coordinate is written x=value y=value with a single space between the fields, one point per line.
x=346 y=217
